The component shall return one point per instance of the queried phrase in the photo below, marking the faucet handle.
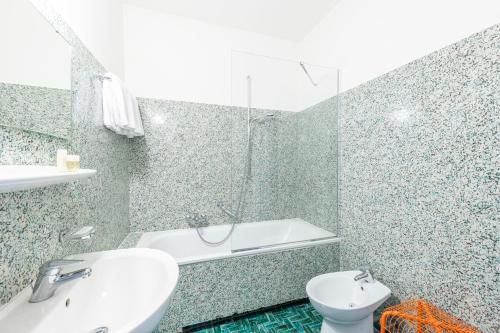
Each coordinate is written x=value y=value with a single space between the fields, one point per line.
x=53 y=267
x=365 y=274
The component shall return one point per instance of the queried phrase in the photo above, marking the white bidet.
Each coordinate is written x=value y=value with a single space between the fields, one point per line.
x=346 y=305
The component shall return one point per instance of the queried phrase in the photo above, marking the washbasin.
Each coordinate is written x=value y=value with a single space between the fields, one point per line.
x=128 y=291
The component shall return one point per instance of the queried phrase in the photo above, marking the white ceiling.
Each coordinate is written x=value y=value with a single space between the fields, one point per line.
x=287 y=19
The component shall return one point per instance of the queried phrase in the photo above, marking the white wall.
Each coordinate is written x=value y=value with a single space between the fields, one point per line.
x=279 y=84
x=176 y=58
x=366 y=38
x=99 y=24
x=32 y=52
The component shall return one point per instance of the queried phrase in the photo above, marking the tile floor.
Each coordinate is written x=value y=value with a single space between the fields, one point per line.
x=296 y=318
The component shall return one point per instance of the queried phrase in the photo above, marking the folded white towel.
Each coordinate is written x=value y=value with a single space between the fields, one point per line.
x=120 y=108
x=133 y=114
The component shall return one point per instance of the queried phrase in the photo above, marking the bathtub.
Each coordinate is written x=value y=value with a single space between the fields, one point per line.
x=247 y=239
x=261 y=264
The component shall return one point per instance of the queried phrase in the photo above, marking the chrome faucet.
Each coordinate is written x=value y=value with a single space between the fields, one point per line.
x=365 y=275
x=196 y=220
x=50 y=278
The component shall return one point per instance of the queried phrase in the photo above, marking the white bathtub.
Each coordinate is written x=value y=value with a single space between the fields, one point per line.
x=248 y=238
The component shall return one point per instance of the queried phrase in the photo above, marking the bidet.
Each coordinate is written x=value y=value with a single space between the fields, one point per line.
x=346 y=305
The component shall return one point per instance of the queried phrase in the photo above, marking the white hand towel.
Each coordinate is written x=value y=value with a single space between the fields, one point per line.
x=133 y=114
x=120 y=110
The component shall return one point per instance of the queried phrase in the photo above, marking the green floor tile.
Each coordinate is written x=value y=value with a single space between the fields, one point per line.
x=299 y=318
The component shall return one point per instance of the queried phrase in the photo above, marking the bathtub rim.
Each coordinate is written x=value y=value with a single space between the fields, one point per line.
x=266 y=250
x=243 y=253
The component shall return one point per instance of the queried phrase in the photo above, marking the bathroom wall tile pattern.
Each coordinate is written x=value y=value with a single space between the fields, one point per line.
x=248 y=283
x=38 y=109
x=283 y=152
x=304 y=173
x=25 y=147
x=316 y=163
x=191 y=158
x=268 y=159
x=420 y=179
x=182 y=164
x=30 y=221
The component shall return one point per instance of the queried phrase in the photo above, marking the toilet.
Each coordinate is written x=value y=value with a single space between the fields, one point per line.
x=346 y=305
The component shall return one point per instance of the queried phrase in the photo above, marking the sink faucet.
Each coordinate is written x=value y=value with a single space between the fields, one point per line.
x=365 y=275
x=50 y=278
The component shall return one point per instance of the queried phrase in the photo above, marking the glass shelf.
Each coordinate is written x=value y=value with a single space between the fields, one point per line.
x=24 y=177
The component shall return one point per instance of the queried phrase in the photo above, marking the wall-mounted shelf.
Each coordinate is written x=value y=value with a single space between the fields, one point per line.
x=23 y=177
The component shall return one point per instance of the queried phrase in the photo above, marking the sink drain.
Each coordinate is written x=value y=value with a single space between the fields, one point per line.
x=100 y=330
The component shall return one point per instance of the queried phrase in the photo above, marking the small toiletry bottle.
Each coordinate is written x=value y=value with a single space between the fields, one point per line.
x=61 y=159
x=73 y=162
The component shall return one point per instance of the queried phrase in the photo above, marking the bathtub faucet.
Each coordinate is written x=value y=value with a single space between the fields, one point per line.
x=365 y=275
x=196 y=220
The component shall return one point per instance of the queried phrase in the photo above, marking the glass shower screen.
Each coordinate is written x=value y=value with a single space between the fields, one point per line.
x=284 y=152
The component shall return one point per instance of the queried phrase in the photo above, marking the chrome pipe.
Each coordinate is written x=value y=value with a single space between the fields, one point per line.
x=249 y=127
x=307 y=73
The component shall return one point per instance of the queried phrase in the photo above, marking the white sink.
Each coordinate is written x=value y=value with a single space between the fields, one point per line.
x=128 y=291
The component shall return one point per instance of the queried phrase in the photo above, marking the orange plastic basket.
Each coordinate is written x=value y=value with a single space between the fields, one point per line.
x=420 y=316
